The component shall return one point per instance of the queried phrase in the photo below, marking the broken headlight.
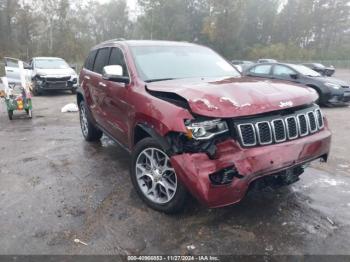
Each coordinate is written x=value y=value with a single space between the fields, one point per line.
x=203 y=130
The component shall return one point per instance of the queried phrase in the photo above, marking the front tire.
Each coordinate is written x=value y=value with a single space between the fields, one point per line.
x=90 y=132
x=154 y=178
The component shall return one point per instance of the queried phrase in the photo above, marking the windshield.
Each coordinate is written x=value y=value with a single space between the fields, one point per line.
x=305 y=70
x=51 y=64
x=171 y=62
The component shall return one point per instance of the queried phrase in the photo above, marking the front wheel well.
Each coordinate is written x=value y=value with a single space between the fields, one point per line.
x=139 y=134
x=79 y=98
x=318 y=90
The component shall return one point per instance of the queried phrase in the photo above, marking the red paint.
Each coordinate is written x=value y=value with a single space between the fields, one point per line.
x=118 y=108
x=194 y=169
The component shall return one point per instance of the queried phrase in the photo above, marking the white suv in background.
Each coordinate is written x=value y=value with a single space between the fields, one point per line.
x=46 y=73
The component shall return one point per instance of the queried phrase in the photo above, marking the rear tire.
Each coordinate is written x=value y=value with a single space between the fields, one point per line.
x=155 y=180
x=90 y=132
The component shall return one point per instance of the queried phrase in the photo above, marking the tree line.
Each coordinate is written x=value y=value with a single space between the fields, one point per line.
x=249 y=29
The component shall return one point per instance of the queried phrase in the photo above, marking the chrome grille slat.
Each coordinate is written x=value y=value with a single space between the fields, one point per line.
x=312 y=122
x=250 y=139
x=280 y=129
x=303 y=125
x=319 y=117
x=292 y=127
x=263 y=130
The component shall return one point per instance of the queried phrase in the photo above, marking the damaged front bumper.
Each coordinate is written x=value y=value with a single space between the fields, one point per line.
x=339 y=98
x=64 y=83
x=245 y=165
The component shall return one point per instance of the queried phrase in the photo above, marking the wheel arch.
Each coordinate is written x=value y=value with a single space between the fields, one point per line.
x=317 y=89
x=80 y=97
x=144 y=130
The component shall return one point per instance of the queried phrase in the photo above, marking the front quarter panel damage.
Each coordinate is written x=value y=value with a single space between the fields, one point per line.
x=194 y=169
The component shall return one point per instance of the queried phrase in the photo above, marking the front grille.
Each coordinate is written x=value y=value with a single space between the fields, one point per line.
x=56 y=85
x=267 y=130
x=57 y=79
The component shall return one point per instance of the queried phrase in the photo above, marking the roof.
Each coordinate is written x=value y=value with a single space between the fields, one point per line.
x=145 y=43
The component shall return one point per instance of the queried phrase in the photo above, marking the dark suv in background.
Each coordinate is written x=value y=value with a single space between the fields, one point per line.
x=194 y=125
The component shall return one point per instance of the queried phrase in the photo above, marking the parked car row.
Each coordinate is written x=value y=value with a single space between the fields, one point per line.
x=331 y=91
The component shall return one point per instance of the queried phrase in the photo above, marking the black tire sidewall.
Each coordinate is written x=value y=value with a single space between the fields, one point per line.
x=94 y=134
x=176 y=204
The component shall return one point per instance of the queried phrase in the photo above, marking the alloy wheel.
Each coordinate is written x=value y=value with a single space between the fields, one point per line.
x=83 y=120
x=155 y=176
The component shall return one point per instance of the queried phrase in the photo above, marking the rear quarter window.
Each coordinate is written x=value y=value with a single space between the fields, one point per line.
x=89 y=62
x=261 y=70
x=101 y=60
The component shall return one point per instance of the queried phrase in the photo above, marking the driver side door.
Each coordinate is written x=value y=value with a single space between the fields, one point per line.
x=282 y=72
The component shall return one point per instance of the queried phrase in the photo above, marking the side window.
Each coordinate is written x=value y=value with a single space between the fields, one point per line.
x=13 y=63
x=117 y=58
x=261 y=70
x=101 y=60
x=89 y=63
x=279 y=70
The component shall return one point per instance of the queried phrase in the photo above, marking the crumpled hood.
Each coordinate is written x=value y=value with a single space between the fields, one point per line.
x=234 y=97
x=55 y=72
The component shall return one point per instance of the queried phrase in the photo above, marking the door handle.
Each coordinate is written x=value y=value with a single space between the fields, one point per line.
x=9 y=70
x=87 y=77
x=102 y=84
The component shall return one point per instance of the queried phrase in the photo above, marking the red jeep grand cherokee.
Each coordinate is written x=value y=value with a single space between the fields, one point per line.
x=193 y=124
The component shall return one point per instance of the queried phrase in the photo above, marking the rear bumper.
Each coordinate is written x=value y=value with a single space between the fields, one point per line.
x=193 y=170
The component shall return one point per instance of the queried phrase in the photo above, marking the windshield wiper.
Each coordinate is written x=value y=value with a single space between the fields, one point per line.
x=158 y=80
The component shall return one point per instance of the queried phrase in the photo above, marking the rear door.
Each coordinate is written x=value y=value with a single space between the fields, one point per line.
x=98 y=89
x=282 y=72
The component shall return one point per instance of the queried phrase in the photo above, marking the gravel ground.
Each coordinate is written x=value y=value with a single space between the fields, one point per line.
x=55 y=187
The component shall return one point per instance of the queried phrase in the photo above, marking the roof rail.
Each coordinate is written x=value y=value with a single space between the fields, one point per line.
x=113 y=40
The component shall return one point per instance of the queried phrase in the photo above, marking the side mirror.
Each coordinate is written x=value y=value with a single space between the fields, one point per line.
x=28 y=67
x=74 y=67
x=294 y=76
x=114 y=73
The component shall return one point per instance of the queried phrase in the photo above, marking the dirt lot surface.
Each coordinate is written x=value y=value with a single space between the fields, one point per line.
x=55 y=187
